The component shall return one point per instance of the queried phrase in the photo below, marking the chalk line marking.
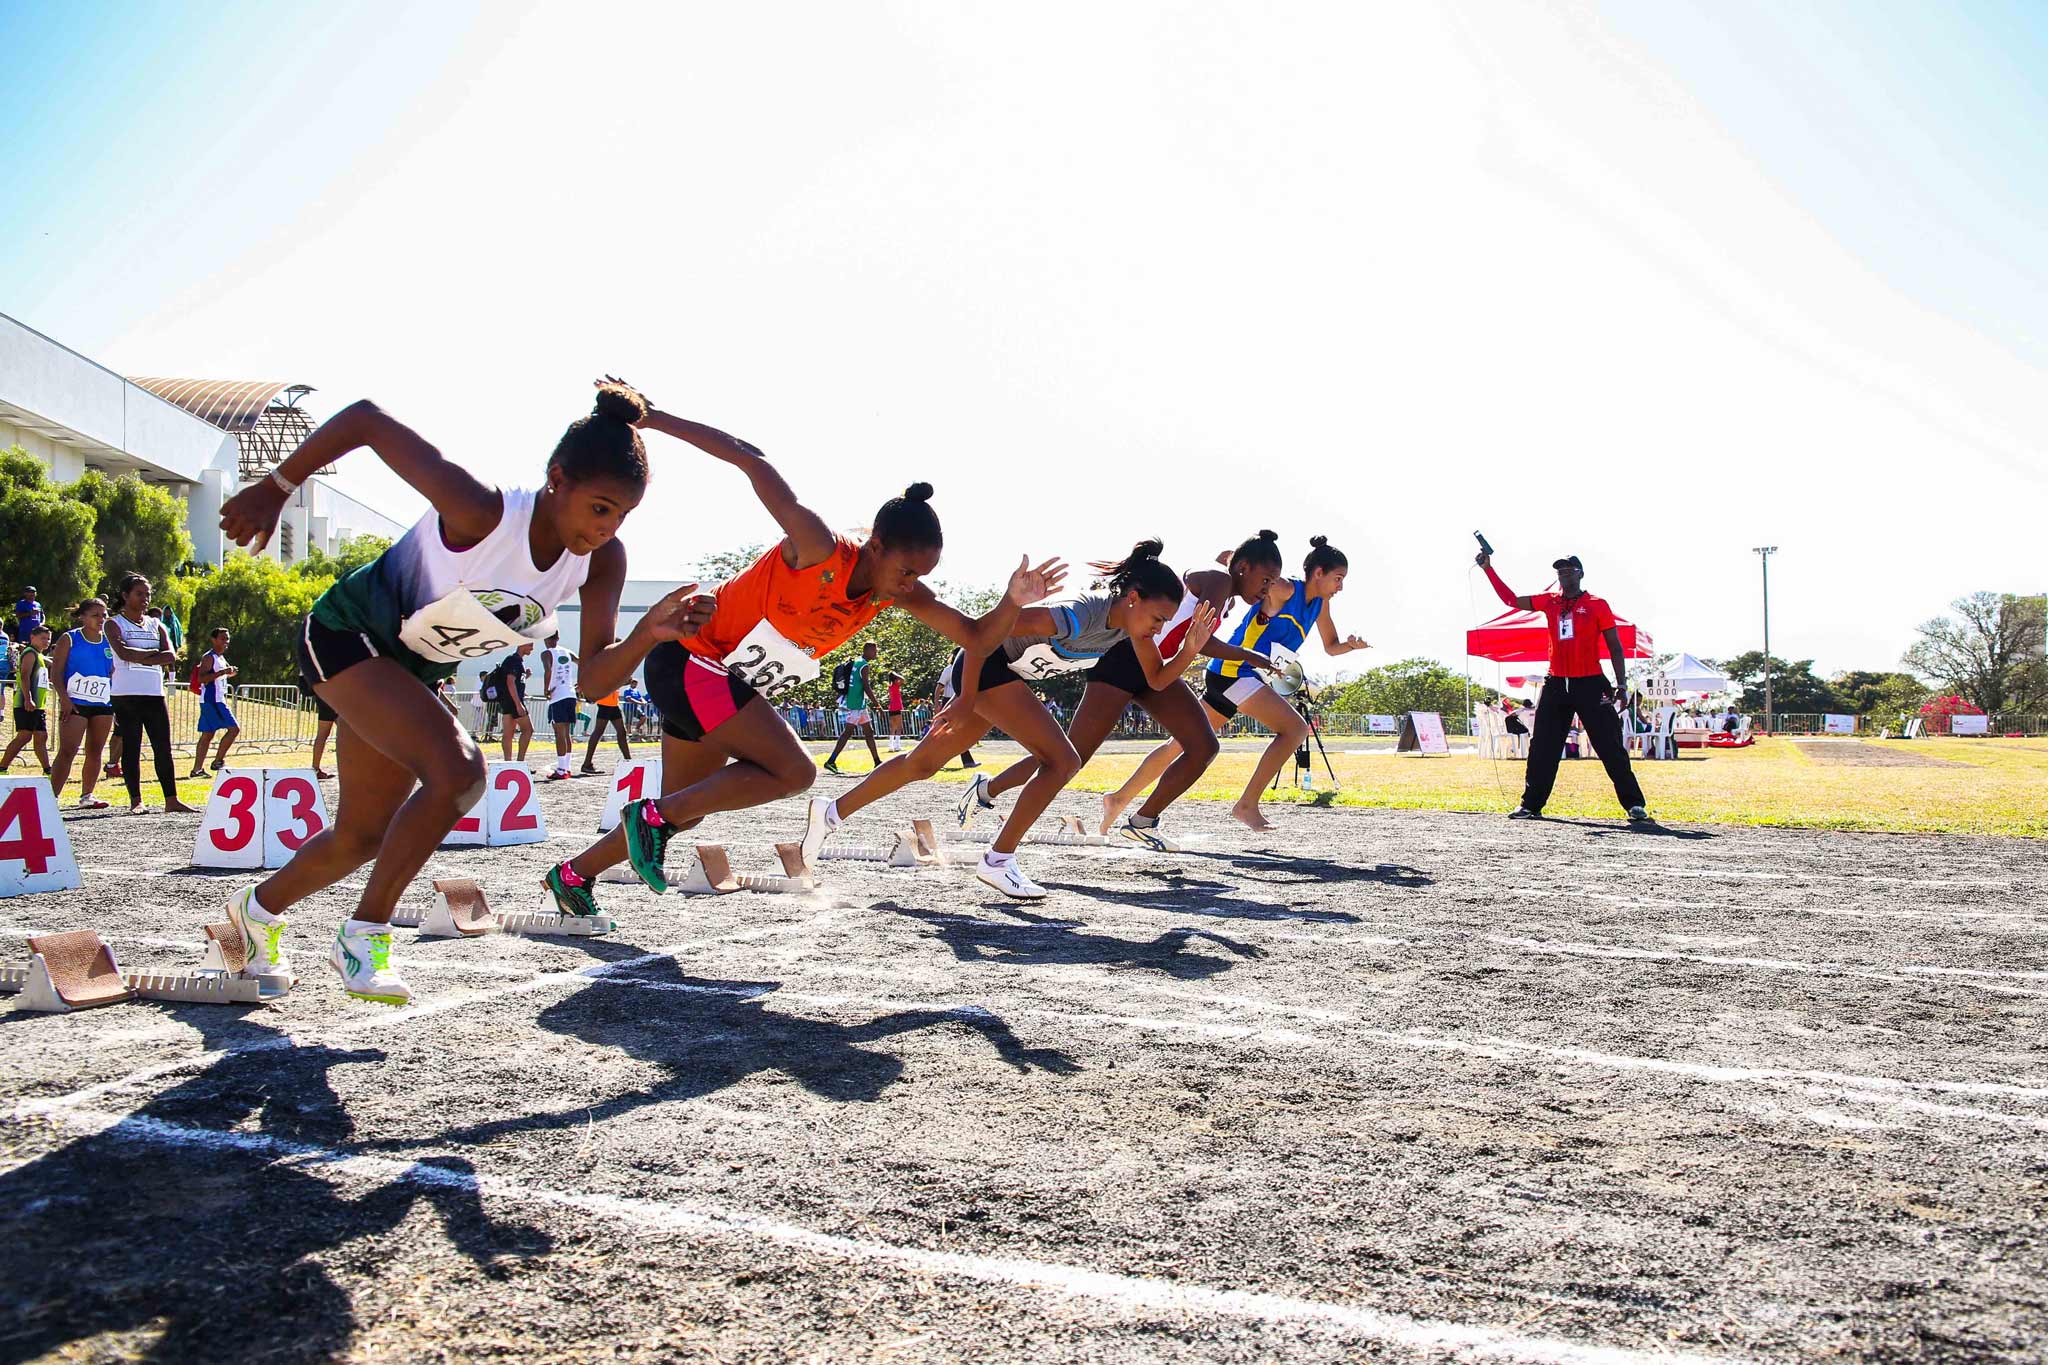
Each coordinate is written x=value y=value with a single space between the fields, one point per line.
x=1908 y=975
x=1468 y=1340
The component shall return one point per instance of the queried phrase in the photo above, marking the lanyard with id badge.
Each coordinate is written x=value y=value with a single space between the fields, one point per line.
x=769 y=663
x=458 y=628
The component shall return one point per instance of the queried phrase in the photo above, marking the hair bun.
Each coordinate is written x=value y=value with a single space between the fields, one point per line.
x=918 y=492
x=1318 y=541
x=620 y=402
x=1148 y=549
x=1270 y=535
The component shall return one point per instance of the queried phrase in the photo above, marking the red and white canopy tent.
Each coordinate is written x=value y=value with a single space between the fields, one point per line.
x=1523 y=637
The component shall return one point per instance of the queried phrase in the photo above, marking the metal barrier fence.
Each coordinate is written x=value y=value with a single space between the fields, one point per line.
x=272 y=719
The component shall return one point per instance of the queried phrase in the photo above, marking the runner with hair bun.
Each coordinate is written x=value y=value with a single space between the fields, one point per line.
x=483 y=571
x=1117 y=680
x=1278 y=630
x=1140 y=596
x=724 y=745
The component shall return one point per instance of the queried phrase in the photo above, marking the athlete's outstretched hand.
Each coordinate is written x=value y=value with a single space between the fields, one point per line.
x=1353 y=642
x=1029 y=585
x=603 y=380
x=1200 y=626
x=249 y=518
x=683 y=612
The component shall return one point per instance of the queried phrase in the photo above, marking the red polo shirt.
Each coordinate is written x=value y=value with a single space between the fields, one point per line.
x=1577 y=632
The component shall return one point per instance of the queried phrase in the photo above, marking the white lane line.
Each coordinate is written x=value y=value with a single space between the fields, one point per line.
x=1467 y=1340
x=1902 y=975
x=2032 y=922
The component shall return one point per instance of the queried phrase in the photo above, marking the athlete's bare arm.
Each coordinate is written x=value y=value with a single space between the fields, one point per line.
x=808 y=539
x=607 y=665
x=1159 y=672
x=469 y=509
x=1331 y=644
x=980 y=635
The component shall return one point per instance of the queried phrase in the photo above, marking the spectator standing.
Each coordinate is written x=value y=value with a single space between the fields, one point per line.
x=30 y=722
x=895 y=712
x=142 y=651
x=558 y=679
x=608 y=713
x=83 y=665
x=322 y=732
x=510 y=677
x=860 y=718
x=28 y=613
x=215 y=717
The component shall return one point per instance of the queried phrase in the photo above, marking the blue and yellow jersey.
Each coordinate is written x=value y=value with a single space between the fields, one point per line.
x=1288 y=628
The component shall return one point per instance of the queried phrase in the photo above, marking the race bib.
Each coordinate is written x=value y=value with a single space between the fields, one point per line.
x=1043 y=661
x=90 y=690
x=458 y=628
x=1564 y=626
x=767 y=662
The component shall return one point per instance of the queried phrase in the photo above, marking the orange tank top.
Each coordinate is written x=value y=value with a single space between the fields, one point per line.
x=808 y=606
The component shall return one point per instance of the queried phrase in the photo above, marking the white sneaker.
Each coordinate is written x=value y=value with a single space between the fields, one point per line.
x=1149 y=837
x=363 y=962
x=262 y=939
x=1009 y=879
x=975 y=801
x=816 y=832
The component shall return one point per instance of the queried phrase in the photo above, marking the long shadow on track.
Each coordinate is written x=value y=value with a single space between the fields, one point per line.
x=183 y=1249
x=710 y=1034
x=1047 y=942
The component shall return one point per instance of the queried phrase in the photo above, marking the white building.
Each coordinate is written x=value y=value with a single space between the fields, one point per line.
x=201 y=439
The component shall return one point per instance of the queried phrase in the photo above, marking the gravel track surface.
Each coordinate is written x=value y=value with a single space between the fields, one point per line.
x=1379 y=1085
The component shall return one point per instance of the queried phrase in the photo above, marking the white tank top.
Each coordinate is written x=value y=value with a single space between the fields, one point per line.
x=1176 y=628
x=497 y=574
x=562 y=685
x=137 y=680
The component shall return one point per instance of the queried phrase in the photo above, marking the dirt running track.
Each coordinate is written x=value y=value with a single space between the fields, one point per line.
x=1387 y=1086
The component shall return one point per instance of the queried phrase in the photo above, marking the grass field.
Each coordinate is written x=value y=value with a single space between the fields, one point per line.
x=1894 y=786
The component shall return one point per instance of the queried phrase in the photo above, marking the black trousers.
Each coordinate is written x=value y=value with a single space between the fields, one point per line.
x=1561 y=697
x=134 y=717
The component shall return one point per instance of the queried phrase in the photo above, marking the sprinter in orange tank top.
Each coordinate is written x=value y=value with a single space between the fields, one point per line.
x=724 y=744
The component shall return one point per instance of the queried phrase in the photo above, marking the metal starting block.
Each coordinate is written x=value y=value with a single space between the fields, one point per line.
x=917 y=846
x=77 y=971
x=712 y=874
x=1071 y=832
x=459 y=910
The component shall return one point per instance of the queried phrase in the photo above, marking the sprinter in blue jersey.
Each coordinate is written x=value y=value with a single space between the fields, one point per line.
x=1278 y=629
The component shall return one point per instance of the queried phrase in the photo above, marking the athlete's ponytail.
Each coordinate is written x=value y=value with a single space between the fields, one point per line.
x=1262 y=550
x=1323 y=557
x=606 y=444
x=1142 y=572
x=908 y=522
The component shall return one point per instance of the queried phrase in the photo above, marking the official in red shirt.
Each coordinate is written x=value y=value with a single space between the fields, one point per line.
x=1578 y=623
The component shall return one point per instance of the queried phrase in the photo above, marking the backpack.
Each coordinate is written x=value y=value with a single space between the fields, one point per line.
x=842 y=676
x=193 y=681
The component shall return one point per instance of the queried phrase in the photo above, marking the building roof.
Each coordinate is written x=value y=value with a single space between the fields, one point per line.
x=232 y=404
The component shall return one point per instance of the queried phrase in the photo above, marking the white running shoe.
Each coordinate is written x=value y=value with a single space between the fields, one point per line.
x=262 y=939
x=1009 y=879
x=816 y=832
x=975 y=802
x=363 y=962
x=1149 y=837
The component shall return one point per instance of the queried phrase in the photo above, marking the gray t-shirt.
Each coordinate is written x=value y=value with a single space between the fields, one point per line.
x=1082 y=634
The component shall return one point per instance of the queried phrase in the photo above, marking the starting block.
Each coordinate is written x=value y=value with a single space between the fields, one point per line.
x=917 y=846
x=77 y=971
x=712 y=874
x=461 y=911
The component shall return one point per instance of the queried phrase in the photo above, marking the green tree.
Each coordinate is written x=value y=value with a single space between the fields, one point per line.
x=138 y=527
x=356 y=551
x=1879 y=694
x=1795 y=688
x=1991 y=653
x=1416 y=684
x=45 y=538
x=717 y=567
x=262 y=602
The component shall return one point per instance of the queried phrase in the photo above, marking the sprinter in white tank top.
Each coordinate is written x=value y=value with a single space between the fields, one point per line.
x=483 y=568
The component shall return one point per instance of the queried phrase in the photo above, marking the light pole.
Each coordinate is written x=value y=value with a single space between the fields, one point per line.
x=1766 y=551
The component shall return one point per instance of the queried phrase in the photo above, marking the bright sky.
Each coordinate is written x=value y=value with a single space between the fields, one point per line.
x=1649 y=283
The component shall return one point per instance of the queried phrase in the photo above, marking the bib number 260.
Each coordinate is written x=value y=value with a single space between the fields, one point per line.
x=767 y=662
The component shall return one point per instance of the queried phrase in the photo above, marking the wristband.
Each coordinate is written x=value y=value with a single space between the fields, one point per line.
x=277 y=477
